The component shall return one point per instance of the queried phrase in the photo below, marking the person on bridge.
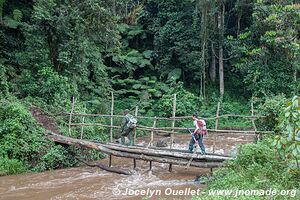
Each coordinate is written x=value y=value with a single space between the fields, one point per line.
x=127 y=127
x=197 y=135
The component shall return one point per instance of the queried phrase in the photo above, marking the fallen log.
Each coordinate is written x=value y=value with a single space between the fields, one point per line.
x=163 y=153
x=109 y=169
x=100 y=147
x=167 y=149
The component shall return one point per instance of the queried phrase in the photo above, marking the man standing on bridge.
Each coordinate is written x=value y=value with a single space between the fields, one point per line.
x=197 y=135
x=127 y=127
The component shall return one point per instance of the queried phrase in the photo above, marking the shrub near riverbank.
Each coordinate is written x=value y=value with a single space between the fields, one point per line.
x=23 y=146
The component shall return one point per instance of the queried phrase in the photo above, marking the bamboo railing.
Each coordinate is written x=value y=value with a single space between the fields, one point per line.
x=154 y=129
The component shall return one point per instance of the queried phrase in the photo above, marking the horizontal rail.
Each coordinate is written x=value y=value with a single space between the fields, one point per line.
x=162 y=118
x=163 y=129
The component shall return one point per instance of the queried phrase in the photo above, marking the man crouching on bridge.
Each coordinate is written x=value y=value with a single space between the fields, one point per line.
x=197 y=135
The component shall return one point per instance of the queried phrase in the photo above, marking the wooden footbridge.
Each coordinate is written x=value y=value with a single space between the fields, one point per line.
x=149 y=152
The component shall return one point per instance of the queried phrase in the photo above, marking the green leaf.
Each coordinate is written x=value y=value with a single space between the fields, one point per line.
x=136 y=86
x=175 y=73
x=295 y=152
x=147 y=54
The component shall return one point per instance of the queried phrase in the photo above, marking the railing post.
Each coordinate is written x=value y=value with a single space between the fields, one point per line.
x=84 y=110
x=173 y=122
x=135 y=114
x=71 y=113
x=217 y=116
x=111 y=117
x=152 y=132
x=252 y=114
x=217 y=123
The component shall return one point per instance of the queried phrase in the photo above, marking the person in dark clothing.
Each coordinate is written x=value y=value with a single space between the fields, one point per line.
x=127 y=128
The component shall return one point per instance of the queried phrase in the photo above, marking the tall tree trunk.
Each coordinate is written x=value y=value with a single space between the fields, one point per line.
x=203 y=46
x=221 y=38
x=212 y=70
x=239 y=23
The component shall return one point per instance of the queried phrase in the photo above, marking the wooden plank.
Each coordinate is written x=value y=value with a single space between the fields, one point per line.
x=155 y=152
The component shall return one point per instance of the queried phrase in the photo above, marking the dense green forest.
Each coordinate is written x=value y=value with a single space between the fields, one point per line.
x=230 y=51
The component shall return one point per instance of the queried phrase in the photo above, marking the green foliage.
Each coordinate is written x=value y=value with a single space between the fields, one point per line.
x=3 y=81
x=186 y=102
x=288 y=141
x=22 y=142
x=257 y=167
x=271 y=109
x=11 y=166
x=268 y=52
x=46 y=84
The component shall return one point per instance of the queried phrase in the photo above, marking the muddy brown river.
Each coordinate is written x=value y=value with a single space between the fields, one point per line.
x=94 y=183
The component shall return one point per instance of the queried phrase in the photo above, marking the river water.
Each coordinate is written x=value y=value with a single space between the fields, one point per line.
x=94 y=183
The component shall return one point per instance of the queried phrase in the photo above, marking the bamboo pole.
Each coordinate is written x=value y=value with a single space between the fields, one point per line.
x=110 y=159
x=177 y=128
x=84 y=110
x=135 y=114
x=214 y=142
x=217 y=116
x=252 y=114
x=72 y=110
x=134 y=163
x=170 y=167
x=152 y=133
x=173 y=122
x=162 y=118
x=217 y=123
x=111 y=118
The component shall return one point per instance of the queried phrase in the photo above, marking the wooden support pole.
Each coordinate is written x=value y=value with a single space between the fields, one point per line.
x=211 y=171
x=152 y=132
x=217 y=123
x=252 y=114
x=111 y=118
x=135 y=114
x=170 y=167
x=72 y=110
x=173 y=122
x=84 y=110
x=217 y=116
x=110 y=160
x=150 y=163
x=214 y=142
x=134 y=163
